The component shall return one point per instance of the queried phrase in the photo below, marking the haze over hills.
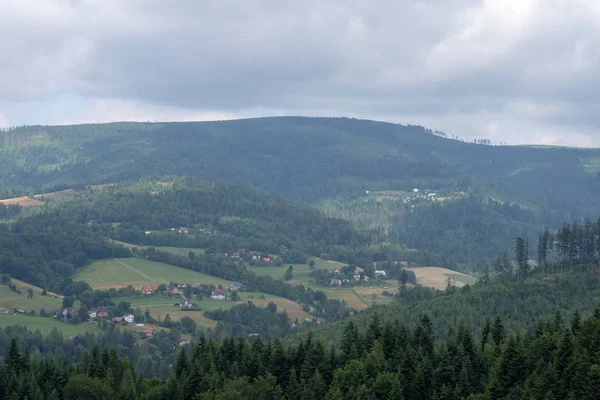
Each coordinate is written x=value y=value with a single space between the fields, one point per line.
x=504 y=191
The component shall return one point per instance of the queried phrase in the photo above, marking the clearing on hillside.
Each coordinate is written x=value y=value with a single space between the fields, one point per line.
x=46 y=325
x=436 y=277
x=10 y=300
x=23 y=202
x=137 y=272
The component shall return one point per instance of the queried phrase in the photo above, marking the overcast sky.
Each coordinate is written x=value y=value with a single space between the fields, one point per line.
x=516 y=71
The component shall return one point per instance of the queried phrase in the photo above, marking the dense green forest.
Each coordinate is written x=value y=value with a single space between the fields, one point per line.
x=559 y=360
x=316 y=159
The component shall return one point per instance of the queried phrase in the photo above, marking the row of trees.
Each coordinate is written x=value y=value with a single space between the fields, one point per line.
x=558 y=360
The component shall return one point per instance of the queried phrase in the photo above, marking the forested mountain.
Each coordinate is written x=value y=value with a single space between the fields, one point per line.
x=501 y=190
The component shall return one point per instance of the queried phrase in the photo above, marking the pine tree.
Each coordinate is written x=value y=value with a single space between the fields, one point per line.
x=498 y=331
x=182 y=365
x=127 y=387
x=293 y=387
x=13 y=358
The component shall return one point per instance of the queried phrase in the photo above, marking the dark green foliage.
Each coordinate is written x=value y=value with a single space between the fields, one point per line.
x=552 y=362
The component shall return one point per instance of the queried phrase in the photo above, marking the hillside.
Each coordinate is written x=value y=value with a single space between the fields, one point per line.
x=502 y=191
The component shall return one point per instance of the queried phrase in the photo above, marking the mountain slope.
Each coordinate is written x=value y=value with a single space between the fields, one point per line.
x=515 y=189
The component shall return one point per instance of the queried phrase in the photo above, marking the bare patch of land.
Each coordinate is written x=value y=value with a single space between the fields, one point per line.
x=436 y=277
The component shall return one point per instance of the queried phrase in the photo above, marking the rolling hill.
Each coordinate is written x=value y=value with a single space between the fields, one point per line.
x=506 y=191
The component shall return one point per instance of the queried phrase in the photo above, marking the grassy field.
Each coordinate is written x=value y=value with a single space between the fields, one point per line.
x=436 y=277
x=180 y=251
x=10 y=300
x=45 y=325
x=301 y=271
x=160 y=306
x=138 y=272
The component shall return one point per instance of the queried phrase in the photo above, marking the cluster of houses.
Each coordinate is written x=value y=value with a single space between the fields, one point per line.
x=313 y=320
x=358 y=276
x=98 y=314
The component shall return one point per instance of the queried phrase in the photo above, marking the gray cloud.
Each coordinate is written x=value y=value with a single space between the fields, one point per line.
x=519 y=71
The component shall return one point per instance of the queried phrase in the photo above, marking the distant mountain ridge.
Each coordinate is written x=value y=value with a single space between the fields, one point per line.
x=310 y=160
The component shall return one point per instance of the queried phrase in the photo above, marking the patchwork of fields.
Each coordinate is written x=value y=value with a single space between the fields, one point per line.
x=160 y=306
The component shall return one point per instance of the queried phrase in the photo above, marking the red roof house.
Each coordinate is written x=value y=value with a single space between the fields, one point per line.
x=102 y=314
x=183 y=229
x=148 y=289
x=267 y=260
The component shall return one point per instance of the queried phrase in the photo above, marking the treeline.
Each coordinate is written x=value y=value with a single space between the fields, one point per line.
x=9 y=211
x=150 y=357
x=558 y=360
x=42 y=252
x=242 y=218
x=462 y=232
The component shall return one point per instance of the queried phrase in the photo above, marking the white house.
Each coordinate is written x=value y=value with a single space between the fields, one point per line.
x=129 y=318
x=217 y=294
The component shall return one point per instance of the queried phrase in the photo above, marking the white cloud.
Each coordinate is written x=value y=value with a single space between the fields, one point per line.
x=517 y=70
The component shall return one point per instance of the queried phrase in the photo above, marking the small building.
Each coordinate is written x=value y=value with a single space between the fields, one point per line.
x=335 y=282
x=102 y=314
x=148 y=289
x=186 y=304
x=181 y=286
x=235 y=286
x=431 y=194
x=267 y=260
x=68 y=312
x=415 y=190
x=183 y=343
x=129 y=318
x=174 y=290
x=92 y=314
x=380 y=273
x=236 y=255
x=357 y=277
x=149 y=332
x=20 y=311
x=117 y=320
x=183 y=229
x=217 y=294
x=283 y=249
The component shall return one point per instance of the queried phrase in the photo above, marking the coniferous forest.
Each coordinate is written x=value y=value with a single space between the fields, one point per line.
x=560 y=359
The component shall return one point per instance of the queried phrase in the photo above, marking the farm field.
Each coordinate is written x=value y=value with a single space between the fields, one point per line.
x=359 y=297
x=10 y=300
x=436 y=277
x=105 y=274
x=23 y=202
x=180 y=251
x=45 y=325
x=24 y=286
x=301 y=271
x=160 y=306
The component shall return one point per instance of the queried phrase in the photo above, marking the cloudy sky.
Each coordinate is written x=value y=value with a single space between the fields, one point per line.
x=515 y=71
